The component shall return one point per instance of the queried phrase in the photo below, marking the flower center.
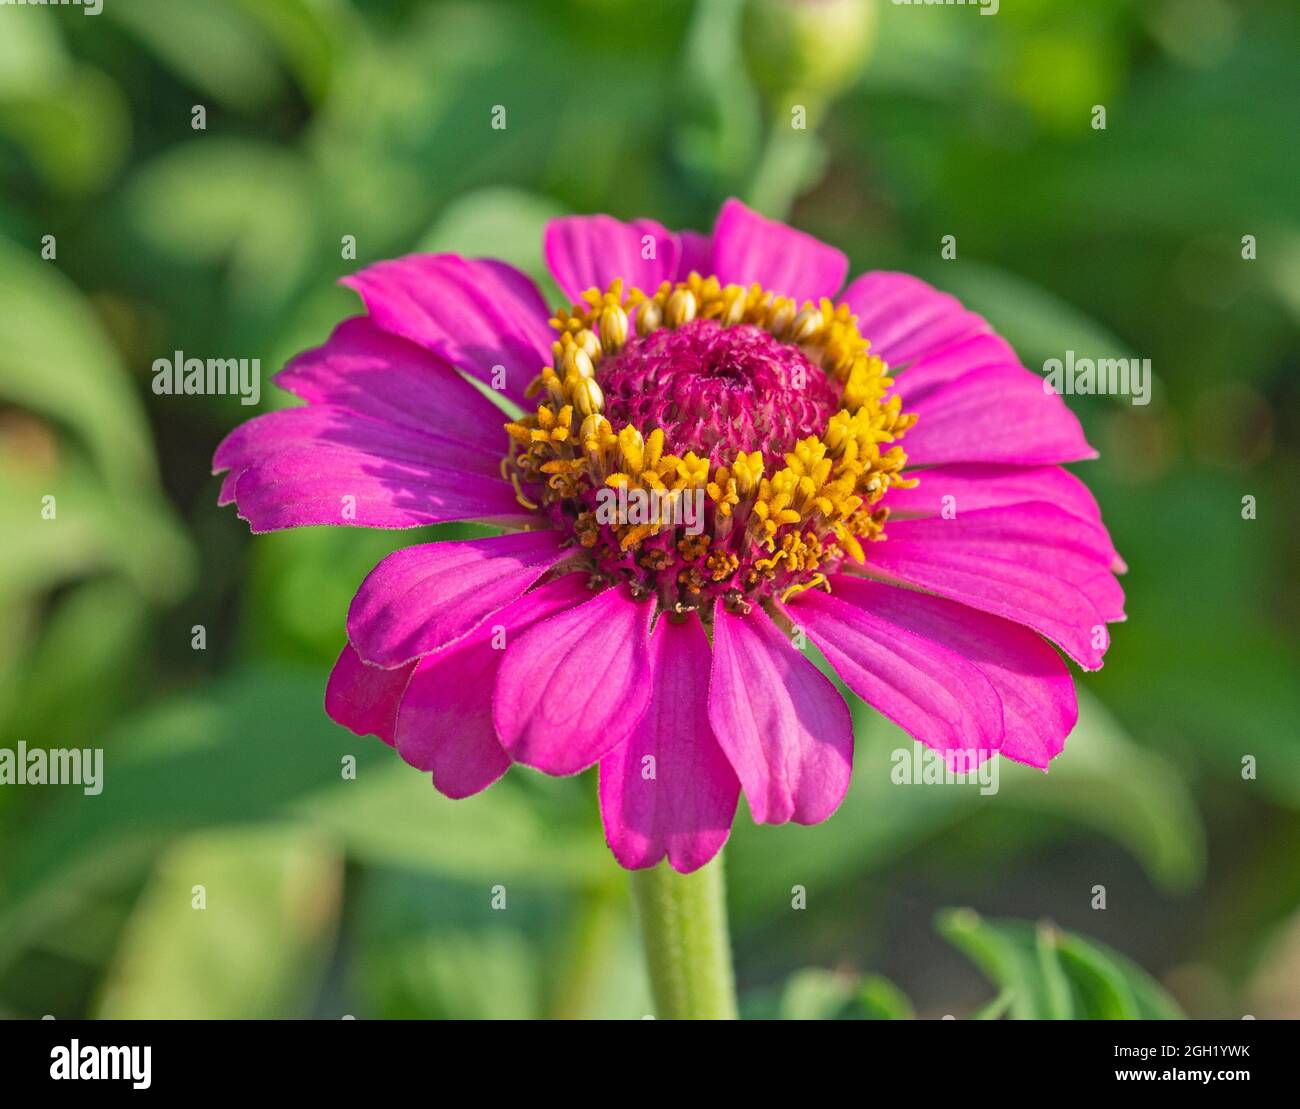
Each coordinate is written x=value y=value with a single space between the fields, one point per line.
x=710 y=443
x=717 y=390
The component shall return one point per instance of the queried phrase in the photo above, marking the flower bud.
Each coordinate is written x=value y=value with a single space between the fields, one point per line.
x=812 y=47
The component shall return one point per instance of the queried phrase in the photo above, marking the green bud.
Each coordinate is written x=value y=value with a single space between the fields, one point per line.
x=816 y=47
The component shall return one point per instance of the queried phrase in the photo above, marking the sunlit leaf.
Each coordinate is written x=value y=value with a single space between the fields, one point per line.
x=236 y=924
x=1046 y=973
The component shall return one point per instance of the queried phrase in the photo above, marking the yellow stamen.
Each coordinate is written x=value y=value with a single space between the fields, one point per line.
x=769 y=525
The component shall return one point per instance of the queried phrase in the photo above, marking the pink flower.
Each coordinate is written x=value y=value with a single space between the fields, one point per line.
x=901 y=506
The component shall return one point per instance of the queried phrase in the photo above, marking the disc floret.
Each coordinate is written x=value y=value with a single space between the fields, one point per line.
x=746 y=439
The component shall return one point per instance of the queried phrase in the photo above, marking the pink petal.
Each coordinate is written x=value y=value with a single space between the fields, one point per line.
x=308 y=485
x=669 y=789
x=782 y=724
x=333 y=426
x=585 y=252
x=445 y=723
x=995 y=414
x=972 y=487
x=697 y=255
x=748 y=247
x=979 y=486
x=929 y=689
x=364 y=698
x=904 y=318
x=475 y=313
x=421 y=598
x=375 y=374
x=1032 y=681
x=1032 y=563
x=978 y=351
x=575 y=686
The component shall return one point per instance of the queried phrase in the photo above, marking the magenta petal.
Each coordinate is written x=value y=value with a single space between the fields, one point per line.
x=978 y=351
x=966 y=488
x=421 y=598
x=309 y=485
x=368 y=371
x=364 y=698
x=584 y=252
x=903 y=318
x=332 y=426
x=1039 y=706
x=782 y=724
x=696 y=257
x=748 y=247
x=926 y=687
x=995 y=414
x=669 y=789
x=575 y=686
x=1031 y=680
x=445 y=723
x=970 y=487
x=476 y=313
x=1033 y=563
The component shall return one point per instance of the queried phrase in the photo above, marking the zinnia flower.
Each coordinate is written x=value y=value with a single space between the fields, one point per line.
x=878 y=476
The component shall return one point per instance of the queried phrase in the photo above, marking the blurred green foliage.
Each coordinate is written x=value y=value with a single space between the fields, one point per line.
x=329 y=118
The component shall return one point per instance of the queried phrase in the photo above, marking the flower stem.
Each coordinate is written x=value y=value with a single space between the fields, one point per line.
x=688 y=950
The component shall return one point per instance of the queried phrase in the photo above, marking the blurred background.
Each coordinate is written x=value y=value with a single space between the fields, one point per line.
x=373 y=896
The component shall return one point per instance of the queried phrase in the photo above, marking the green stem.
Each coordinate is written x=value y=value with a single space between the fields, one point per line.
x=688 y=950
x=790 y=162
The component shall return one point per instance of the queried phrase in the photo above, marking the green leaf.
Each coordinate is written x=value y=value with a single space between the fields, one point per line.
x=1114 y=987
x=57 y=360
x=816 y=994
x=247 y=205
x=487 y=974
x=31 y=54
x=86 y=665
x=93 y=529
x=1015 y=959
x=310 y=36
x=880 y=999
x=1048 y=974
x=499 y=222
x=996 y=1008
x=235 y=64
x=1102 y=781
x=256 y=948
x=1135 y=796
x=258 y=747
x=73 y=124
x=393 y=815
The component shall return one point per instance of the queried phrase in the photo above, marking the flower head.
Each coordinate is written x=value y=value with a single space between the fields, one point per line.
x=719 y=456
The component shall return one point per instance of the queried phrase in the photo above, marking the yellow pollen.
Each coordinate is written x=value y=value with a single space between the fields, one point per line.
x=777 y=526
